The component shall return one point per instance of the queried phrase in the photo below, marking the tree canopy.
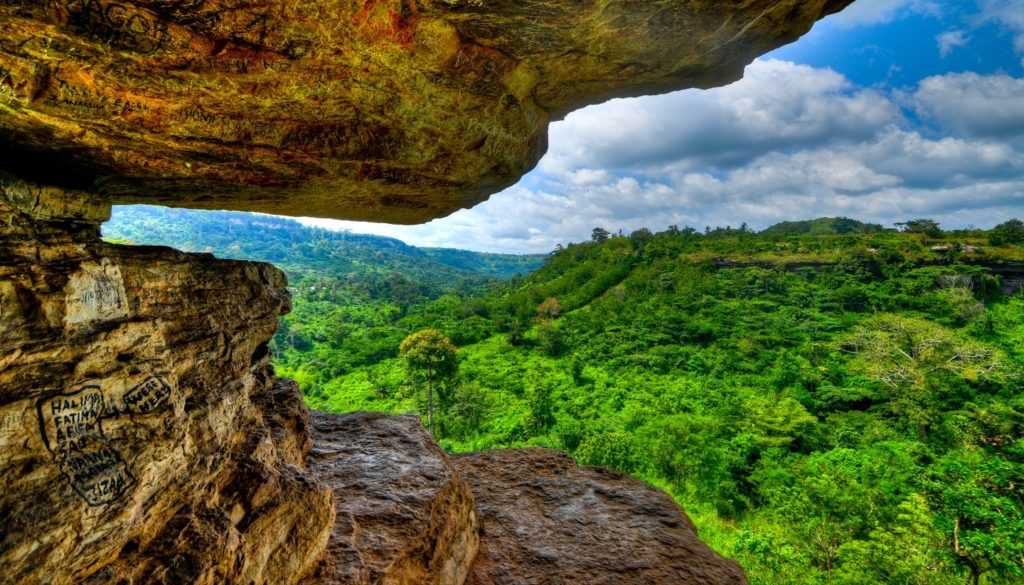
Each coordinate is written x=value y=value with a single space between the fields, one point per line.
x=431 y=359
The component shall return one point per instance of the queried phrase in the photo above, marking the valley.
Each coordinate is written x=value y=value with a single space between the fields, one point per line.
x=816 y=395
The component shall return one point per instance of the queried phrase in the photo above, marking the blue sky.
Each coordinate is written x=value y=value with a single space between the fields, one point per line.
x=890 y=110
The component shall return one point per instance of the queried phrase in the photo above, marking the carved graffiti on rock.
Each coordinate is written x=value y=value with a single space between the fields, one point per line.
x=122 y=26
x=10 y=423
x=96 y=293
x=72 y=429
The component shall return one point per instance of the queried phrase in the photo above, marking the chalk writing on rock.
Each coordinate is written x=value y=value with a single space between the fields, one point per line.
x=72 y=428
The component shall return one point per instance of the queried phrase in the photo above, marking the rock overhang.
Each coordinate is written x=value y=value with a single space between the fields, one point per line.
x=377 y=110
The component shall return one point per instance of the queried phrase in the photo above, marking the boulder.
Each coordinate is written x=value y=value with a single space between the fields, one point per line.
x=403 y=513
x=547 y=521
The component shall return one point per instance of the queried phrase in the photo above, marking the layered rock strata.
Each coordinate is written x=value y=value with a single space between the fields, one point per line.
x=382 y=110
x=143 y=437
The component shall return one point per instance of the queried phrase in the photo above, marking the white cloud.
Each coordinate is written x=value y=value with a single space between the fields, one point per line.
x=1010 y=15
x=776 y=105
x=972 y=104
x=950 y=40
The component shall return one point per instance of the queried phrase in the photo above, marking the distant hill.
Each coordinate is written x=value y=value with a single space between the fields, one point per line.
x=498 y=265
x=823 y=226
x=297 y=248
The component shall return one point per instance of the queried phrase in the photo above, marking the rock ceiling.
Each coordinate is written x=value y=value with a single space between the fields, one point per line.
x=384 y=110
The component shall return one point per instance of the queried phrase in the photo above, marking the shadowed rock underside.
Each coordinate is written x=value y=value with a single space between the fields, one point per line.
x=380 y=110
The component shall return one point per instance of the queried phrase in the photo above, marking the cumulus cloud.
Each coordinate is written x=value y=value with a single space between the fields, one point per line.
x=950 y=40
x=787 y=142
x=777 y=105
x=972 y=104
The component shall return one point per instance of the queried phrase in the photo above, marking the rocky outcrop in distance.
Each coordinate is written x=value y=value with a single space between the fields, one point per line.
x=378 y=110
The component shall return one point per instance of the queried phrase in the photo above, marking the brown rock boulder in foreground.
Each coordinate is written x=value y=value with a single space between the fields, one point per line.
x=547 y=521
x=403 y=514
x=382 y=110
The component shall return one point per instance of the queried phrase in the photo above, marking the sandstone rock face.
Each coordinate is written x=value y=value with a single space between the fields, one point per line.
x=403 y=513
x=383 y=110
x=143 y=437
x=547 y=521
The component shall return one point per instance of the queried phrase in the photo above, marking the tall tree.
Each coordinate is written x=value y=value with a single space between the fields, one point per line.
x=432 y=359
x=928 y=227
x=912 y=357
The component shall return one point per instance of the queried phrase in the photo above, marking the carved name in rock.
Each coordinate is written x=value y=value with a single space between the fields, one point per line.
x=72 y=429
x=282 y=107
x=96 y=293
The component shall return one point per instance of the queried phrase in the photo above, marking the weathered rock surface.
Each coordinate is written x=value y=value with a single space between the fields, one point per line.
x=403 y=514
x=547 y=521
x=383 y=110
x=143 y=437
x=1012 y=274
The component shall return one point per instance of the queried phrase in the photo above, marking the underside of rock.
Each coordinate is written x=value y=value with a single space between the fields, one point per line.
x=380 y=110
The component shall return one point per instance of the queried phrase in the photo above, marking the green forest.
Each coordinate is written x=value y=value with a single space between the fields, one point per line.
x=830 y=401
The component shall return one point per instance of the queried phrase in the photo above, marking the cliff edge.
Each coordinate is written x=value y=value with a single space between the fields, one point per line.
x=145 y=439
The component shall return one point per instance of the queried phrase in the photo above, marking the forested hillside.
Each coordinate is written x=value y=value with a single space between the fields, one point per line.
x=830 y=402
x=296 y=248
x=350 y=292
x=835 y=408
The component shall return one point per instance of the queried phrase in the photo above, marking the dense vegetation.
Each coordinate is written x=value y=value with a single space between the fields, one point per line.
x=835 y=404
x=355 y=297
